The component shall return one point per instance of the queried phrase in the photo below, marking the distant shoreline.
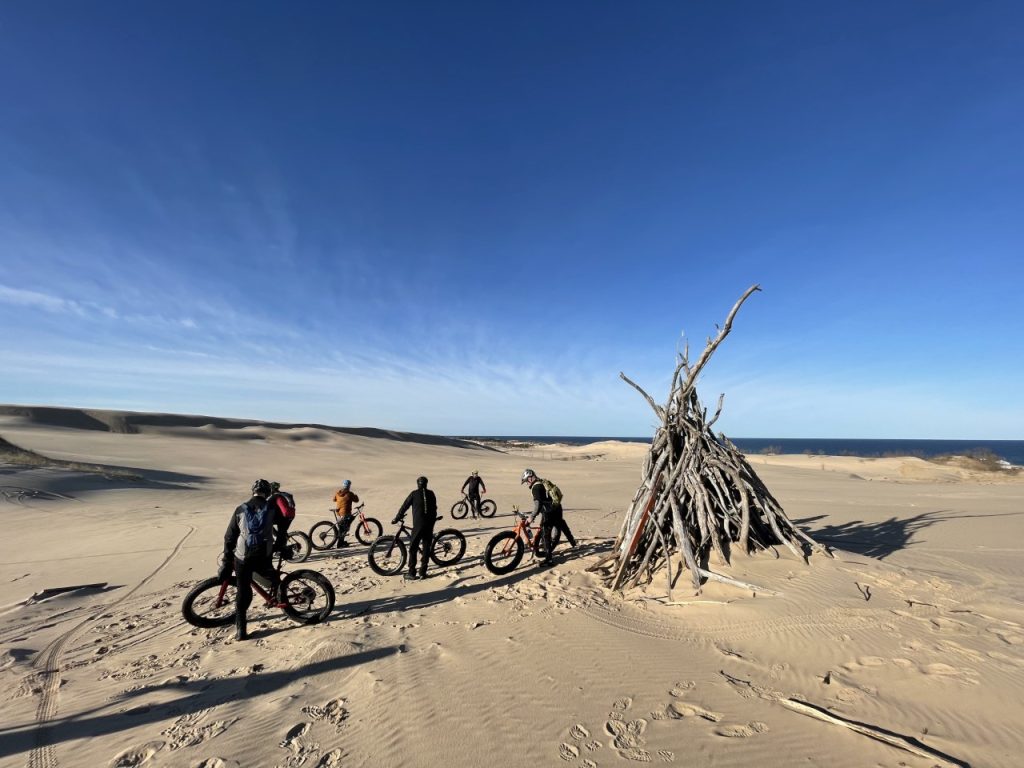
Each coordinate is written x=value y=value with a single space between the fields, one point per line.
x=1011 y=451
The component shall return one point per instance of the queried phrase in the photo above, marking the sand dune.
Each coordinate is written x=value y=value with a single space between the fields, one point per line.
x=916 y=627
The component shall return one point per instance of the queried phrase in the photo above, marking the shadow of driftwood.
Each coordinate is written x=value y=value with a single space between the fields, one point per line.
x=198 y=695
x=881 y=538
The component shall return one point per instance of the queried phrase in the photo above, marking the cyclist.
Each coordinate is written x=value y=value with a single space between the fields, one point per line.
x=424 y=515
x=549 y=509
x=249 y=544
x=284 y=502
x=343 y=500
x=472 y=487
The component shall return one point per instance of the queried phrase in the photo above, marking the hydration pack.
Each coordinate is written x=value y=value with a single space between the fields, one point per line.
x=255 y=528
x=553 y=491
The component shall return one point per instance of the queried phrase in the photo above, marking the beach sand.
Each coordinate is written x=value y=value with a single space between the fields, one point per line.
x=916 y=627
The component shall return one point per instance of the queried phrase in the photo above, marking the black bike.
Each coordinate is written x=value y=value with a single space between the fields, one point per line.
x=299 y=546
x=305 y=596
x=461 y=508
x=388 y=554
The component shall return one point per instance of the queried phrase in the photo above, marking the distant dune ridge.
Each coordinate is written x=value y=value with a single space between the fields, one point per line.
x=131 y=422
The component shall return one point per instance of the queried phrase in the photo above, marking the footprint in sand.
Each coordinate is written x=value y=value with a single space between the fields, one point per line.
x=666 y=756
x=578 y=732
x=965 y=676
x=211 y=762
x=588 y=764
x=136 y=756
x=568 y=752
x=333 y=712
x=628 y=738
x=679 y=689
x=741 y=731
x=186 y=731
x=330 y=760
x=678 y=711
x=291 y=738
x=593 y=746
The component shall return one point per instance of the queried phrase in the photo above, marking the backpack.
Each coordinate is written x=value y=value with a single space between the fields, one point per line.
x=553 y=491
x=289 y=503
x=255 y=525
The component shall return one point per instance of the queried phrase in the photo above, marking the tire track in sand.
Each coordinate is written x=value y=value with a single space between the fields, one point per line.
x=43 y=755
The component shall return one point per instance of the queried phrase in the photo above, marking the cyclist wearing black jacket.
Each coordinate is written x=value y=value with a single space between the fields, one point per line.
x=550 y=511
x=474 y=483
x=424 y=515
x=249 y=544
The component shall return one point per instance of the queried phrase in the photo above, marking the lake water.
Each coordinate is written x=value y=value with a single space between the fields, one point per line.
x=1010 y=450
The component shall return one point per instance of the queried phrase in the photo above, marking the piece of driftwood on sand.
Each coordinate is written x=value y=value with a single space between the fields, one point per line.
x=698 y=495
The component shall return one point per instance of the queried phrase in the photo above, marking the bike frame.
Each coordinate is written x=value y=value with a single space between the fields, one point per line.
x=359 y=514
x=268 y=598
x=404 y=530
x=524 y=531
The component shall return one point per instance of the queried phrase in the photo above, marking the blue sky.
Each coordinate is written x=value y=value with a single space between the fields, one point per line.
x=467 y=218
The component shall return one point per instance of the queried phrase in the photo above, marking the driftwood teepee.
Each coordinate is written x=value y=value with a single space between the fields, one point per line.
x=698 y=493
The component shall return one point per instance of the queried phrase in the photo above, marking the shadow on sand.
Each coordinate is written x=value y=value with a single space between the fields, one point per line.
x=22 y=483
x=197 y=695
x=880 y=539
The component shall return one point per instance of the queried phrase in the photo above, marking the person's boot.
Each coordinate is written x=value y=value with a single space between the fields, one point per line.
x=240 y=633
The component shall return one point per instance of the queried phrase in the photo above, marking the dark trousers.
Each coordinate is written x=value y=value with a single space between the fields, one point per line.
x=553 y=519
x=244 y=570
x=422 y=539
x=474 y=503
x=344 y=524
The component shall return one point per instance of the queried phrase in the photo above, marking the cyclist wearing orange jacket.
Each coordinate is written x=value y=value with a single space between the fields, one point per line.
x=343 y=501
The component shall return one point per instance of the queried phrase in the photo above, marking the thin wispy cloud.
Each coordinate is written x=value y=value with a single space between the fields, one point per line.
x=36 y=300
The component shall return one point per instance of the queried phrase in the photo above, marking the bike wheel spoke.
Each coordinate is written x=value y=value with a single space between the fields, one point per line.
x=213 y=606
x=305 y=596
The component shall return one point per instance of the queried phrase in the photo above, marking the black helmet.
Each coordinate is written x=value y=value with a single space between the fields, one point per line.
x=421 y=482
x=261 y=488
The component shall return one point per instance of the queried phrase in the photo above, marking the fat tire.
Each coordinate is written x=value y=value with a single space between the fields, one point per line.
x=301 y=544
x=379 y=547
x=289 y=602
x=364 y=536
x=201 y=620
x=488 y=508
x=459 y=510
x=323 y=535
x=448 y=537
x=499 y=540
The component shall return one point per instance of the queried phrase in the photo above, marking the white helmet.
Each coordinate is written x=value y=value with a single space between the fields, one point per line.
x=527 y=474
